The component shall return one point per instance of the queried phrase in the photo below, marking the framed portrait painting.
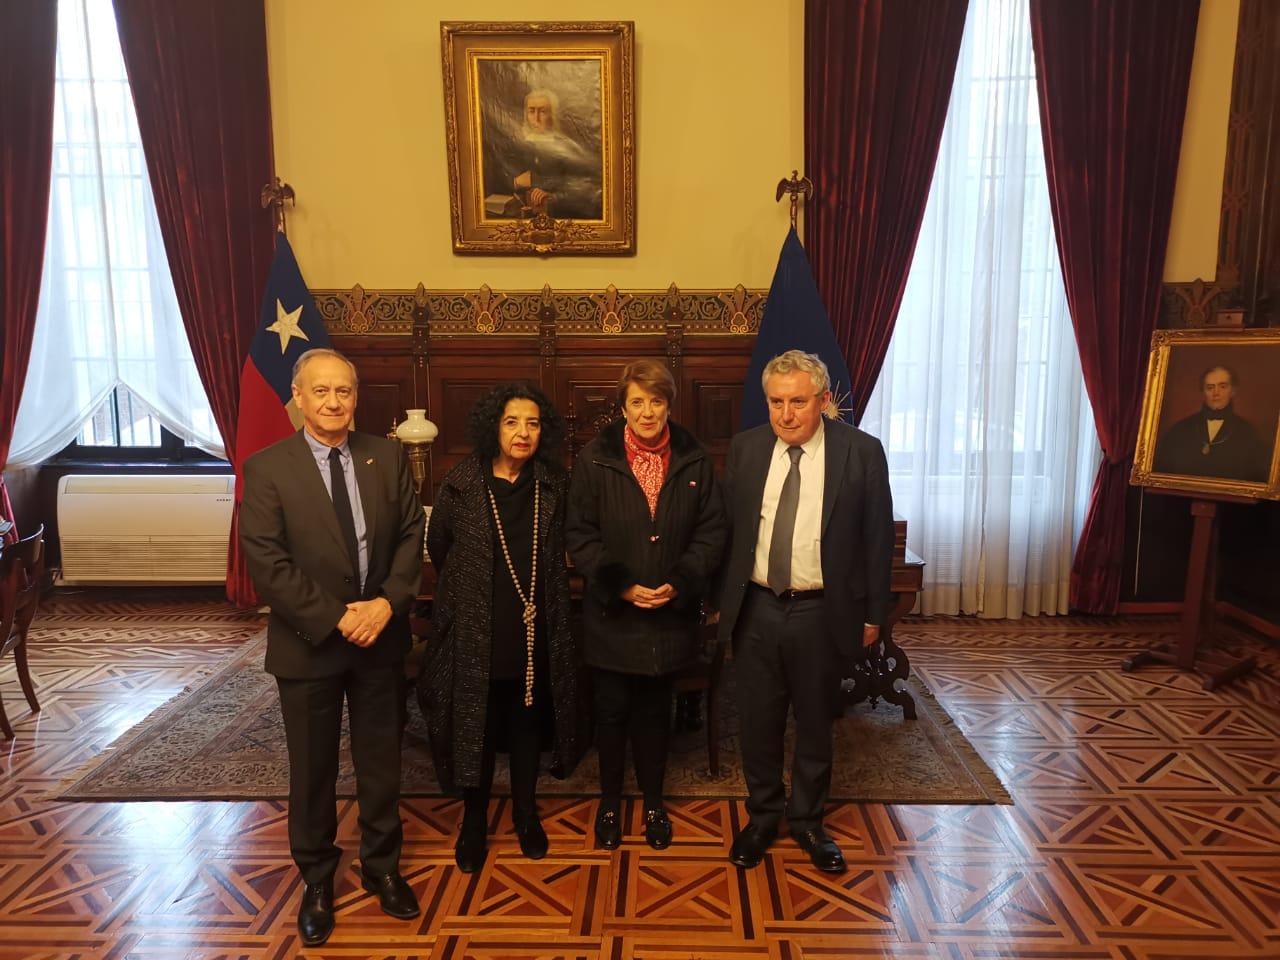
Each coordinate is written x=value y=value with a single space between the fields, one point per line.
x=540 y=126
x=1211 y=413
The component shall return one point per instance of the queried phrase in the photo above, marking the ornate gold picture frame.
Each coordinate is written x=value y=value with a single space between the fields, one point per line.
x=1211 y=413
x=540 y=126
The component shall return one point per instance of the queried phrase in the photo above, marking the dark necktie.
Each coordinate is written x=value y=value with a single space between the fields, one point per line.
x=784 y=526
x=342 y=507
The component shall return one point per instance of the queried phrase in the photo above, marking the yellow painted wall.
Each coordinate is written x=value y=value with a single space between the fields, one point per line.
x=358 y=114
x=1197 y=201
x=357 y=107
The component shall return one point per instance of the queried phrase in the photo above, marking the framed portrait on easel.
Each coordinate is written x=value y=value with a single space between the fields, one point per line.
x=1211 y=414
x=540 y=126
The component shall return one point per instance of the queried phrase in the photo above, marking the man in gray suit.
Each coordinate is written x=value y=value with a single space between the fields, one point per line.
x=805 y=589
x=332 y=535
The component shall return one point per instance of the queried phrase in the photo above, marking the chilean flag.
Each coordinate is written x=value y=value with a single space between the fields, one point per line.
x=289 y=325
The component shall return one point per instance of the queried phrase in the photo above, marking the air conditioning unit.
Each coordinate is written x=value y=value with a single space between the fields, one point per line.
x=159 y=529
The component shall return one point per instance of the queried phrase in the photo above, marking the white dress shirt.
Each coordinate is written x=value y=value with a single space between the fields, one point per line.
x=806 y=543
x=321 y=453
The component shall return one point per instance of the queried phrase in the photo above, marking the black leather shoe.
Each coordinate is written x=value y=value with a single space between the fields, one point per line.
x=822 y=850
x=750 y=845
x=657 y=829
x=395 y=896
x=533 y=839
x=315 y=913
x=472 y=848
x=608 y=829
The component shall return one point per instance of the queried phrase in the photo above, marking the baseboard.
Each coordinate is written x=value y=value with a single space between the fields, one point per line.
x=1132 y=607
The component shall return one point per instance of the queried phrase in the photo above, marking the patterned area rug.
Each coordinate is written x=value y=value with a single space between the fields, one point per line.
x=223 y=739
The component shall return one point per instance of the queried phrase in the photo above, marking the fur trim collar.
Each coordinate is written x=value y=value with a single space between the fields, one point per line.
x=683 y=443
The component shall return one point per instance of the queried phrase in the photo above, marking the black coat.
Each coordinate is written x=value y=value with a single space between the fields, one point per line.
x=1236 y=453
x=857 y=529
x=615 y=544
x=453 y=686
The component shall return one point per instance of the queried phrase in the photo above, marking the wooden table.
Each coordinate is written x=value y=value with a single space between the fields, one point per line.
x=885 y=663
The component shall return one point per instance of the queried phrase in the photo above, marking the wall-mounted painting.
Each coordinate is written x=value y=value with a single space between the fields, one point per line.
x=540 y=125
x=1211 y=413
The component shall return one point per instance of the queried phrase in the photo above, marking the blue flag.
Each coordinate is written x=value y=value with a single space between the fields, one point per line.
x=794 y=319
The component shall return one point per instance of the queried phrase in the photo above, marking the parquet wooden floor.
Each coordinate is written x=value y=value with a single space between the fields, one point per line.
x=1146 y=825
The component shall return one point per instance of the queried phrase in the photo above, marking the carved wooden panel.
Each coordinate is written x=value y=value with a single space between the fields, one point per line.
x=459 y=373
x=583 y=313
x=1247 y=240
x=387 y=383
x=444 y=350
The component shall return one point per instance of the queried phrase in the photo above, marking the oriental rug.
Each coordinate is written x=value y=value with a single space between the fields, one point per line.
x=223 y=739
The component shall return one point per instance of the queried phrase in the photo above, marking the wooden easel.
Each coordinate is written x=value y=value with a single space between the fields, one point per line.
x=1198 y=605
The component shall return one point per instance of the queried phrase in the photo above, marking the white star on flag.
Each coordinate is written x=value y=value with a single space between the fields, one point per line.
x=286 y=325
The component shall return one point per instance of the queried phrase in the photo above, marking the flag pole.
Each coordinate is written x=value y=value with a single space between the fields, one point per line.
x=797 y=187
x=274 y=195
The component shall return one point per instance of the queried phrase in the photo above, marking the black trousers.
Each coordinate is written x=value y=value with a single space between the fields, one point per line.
x=630 y=706
x=312 y=711
x=783 y=659
x=508 y=719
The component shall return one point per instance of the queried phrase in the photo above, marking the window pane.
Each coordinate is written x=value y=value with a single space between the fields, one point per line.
x=99 y=430
x=137 y=427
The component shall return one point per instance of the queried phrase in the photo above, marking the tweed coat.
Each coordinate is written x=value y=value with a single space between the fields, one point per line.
x=453 y=684
x=615 y=543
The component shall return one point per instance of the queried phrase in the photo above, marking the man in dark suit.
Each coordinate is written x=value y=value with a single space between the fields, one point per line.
x=805 y=589
x=332 y=535
x=1215 y=441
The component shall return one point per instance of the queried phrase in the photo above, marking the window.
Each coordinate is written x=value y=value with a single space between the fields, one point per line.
x=111 y=368
x=981 y=403
x=123 y=430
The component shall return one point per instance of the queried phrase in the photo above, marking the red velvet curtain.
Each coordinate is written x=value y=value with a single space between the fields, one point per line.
x=1112 y=77
x=198 y=72
x=877 y=83
x=28 y=51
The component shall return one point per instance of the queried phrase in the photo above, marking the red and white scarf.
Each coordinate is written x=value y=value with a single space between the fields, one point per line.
x=648 y=462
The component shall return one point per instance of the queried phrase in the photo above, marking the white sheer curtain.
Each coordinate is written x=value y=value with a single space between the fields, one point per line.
x=981 y=402
x=107 y=314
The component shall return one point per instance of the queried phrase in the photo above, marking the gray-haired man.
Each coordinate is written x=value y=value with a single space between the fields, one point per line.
x=805 y=588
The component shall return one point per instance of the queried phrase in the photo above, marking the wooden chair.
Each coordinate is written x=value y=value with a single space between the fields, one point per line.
x=21 y=572
x=704 y=676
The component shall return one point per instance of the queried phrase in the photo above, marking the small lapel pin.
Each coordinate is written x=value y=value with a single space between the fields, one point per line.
x=693 y=483
x=369 y=461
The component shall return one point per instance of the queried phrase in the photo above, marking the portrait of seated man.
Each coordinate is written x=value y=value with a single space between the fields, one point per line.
x=541 y=157
x=1215 y=441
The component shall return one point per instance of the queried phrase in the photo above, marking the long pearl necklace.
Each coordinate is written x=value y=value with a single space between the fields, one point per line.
x=530 y=610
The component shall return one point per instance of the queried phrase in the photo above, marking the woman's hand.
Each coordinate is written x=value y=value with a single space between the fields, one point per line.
x=649 y=598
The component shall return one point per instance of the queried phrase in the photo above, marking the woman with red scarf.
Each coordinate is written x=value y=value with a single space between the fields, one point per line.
x=646 y=528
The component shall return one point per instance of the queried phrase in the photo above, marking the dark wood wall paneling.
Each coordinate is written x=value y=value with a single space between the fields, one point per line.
x=448 y=348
